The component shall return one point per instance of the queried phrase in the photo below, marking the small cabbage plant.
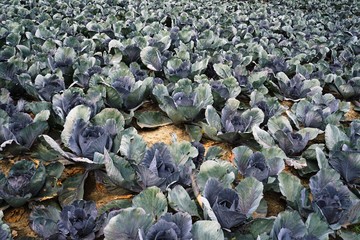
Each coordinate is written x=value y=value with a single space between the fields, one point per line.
x=318 y=111
x=297 y=87
x=233 y=124
x=23 y=182
x=177 y=68
x=85 y=137
x=229 y=207
x=333 y=200
x=63 y=102
x=348 y=87
x=49 y=85
x=22 y=129
x=158 y=168
x=223 y=89
x=123 y=91
x=171 y=226
x=78 y=220
x=264 y=166
x=289 y=225
x=225 y=204
x=290 y=141
x=269 y=105
x=344 y=154
x=185 y=102
x=18 y=127
x=7 y=104
x=163 y=166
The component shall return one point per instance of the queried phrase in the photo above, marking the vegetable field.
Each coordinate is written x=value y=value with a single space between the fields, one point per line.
x=155 y=119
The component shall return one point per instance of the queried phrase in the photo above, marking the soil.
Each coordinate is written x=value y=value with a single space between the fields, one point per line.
x=276 y=203
x=352 y=114
x=18 y=220
x=163 y=134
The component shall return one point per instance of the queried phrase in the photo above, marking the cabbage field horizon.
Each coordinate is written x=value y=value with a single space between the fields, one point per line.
x=204 y=120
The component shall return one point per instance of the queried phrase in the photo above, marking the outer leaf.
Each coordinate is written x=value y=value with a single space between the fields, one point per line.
x=348 y=235
x=321 y=159
x=151 y=57
x=78 y=112
x=313 y=132
x=199 y=66
x=194 y=132
x=207 y=210
x=180 y=200
x=152 y=200
x=322 y=178
x=223 y=171
x=258 y=78
x=222 y=70
x=213 y=118
x=347 y=164
x=114 y=98
x=110 y=113
x=207 y=230
x=276 y=166
x=250 y=192
x=132 y=145
x=54 y=145
x=43 y=115
x=203 y=96
x=262 y=137
x=152 y=119
x=118 y=169
x=182 y=152
x=256 y=116
x=115 y=204
x=65 y=55
x=241 y=157
x=73 y=189
x=278 y=123
x=317 y=227
x=334 y=135
x=28 y=135
x=261 y=225
x=53 y=173
x=274 y=152
x=127 y=224
x=213 y=152
x=4 y=228
x=290 y=187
